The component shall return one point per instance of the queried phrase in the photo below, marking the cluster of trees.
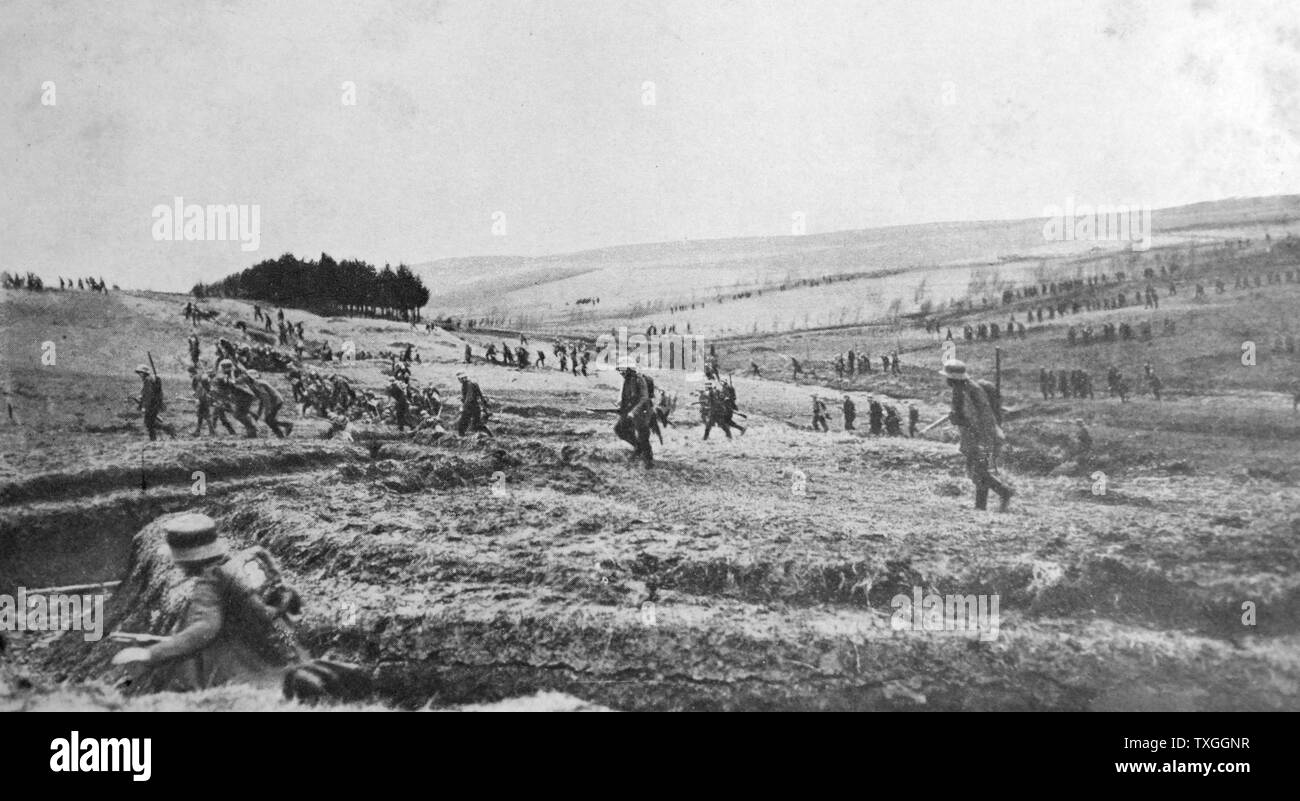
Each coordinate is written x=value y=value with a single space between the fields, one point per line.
x=351 y=287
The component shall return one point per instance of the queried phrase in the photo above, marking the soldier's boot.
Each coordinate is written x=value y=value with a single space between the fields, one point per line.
x=981 y=497
x=1007 y=492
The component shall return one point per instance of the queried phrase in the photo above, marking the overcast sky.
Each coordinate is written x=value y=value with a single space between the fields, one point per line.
x=857 y=114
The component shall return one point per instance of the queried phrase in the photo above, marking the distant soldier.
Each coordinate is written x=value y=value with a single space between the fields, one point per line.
x=850 y=413
x=193 y=341
x=973 y=412
x=795 y=367
x=1063 y=383
x=819 y=415
x=151 y=403
x=564 y=361
x=541 y=360
x=635 y=408
x=269 y=403
x=753 y=369
x=1153 y=381
x=202 y=385
x=521 y=357
x=1045 y=382
x=913 y=418
x=231 y=395
x=1084 y=440
x=468 y=353
x=401 y=403
x=491 y=353
x=875 y=415
x=893 y=424
x=473 y=407
x=729 y=408
x=713 y=410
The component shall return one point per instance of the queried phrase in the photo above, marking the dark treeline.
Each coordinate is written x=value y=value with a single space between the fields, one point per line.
x=350 y=287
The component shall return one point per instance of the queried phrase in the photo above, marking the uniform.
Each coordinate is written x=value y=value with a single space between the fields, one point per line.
x=635 y=408
x=975 y=415
x=151 y=403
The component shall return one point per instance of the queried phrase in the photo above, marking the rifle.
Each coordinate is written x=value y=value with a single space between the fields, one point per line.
x=605 y=411
x=943 y=419
x=151 y=366
x=132 y=638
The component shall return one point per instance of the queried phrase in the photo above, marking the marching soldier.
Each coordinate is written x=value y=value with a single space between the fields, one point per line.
x=269 y=403
x=231 y=394
x=913 y=417
x=974 y=414
x=850 y=413
x=635 y=407
x=151 y=403
x=473 y=407
x=819 y=415
x=875 y=414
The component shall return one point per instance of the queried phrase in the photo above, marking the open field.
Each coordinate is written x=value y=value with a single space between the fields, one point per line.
x=455 y=590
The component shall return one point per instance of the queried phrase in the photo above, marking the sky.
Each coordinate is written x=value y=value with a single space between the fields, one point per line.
x=529 y=128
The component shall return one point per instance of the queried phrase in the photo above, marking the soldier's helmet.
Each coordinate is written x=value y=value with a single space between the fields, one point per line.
x=627 y=364
x=955 y=370
x=193 y=538
x=462 y=375
x=226 y=364
x=142 y=369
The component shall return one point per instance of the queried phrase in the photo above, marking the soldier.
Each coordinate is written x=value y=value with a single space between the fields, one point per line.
x=564 y=361
x=913 y=417
x=228 y=634
x=152 y=404
x=875 y=415
x=401 y=403
x=269 y=403
x=573 y=360
x=893 y=425
x=819 y=415
x=795 y=367
x=193 y=341
x=1063 y=383
x=850 y=413
x=473 y=407
x=231 y=395
x=634 y=411
x=973 y=412
x=586 y=357
x=521 y=357
x=729 y=408
x=1153 y=381
x=202 y=385
x=1085 y=441
x=541 y=360
x=712 y=410
x=1044 y=382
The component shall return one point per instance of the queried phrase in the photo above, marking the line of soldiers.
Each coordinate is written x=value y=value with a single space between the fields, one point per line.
x=882 y=418
x=854 y=363
x=571 y=359
x=1066 y=383
x=232 y=390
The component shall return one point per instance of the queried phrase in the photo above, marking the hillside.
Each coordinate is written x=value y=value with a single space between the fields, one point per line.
x=458 y=586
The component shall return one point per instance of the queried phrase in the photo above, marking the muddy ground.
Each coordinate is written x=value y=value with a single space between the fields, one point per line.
x=456 y=588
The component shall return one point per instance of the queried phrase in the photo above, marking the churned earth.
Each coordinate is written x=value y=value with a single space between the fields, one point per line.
x=760 y=572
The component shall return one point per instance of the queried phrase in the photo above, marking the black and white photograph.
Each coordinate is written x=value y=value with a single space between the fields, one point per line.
x=397 y=356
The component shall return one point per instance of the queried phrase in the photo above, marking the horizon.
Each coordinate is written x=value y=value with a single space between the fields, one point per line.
x=520 y=130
